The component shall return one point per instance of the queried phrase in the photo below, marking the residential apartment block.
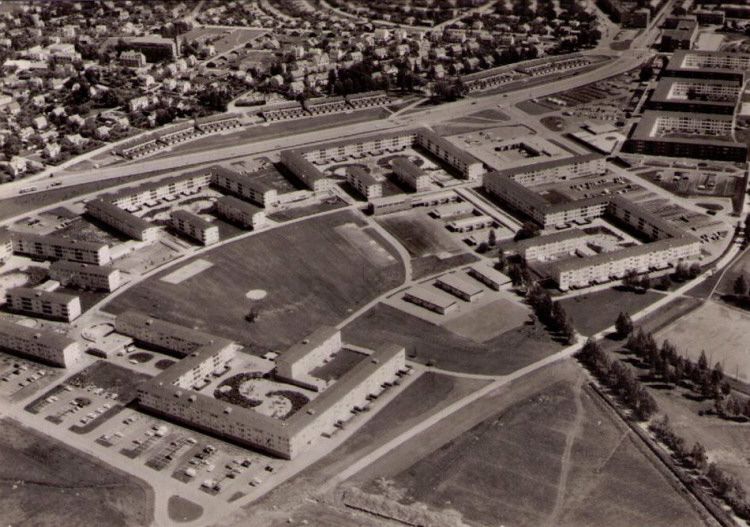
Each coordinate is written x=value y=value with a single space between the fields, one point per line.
x=57 y=306
x=57 y=248
x=41 y=345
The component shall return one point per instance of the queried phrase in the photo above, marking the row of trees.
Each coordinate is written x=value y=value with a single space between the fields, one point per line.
x=552 y=314
x=643 y=282
x=619 y=379
x=724 y=486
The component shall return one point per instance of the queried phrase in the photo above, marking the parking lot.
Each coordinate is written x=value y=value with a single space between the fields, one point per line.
x=20 y=378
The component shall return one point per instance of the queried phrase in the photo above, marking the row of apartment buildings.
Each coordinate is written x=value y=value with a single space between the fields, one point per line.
x=41 y=345
x=170 y=393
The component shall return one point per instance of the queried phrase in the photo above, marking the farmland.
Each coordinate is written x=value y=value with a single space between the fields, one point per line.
x=45 y=483
x=292 y=265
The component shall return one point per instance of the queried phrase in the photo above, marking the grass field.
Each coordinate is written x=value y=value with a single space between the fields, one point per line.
x=44 y=483
x=490 y=321
x=420 y=234
x=312 y=276
x=112 y=378
x=500 y=355
x=555 y=458
x=719 y=330
x=593 y=312
x=430 y=265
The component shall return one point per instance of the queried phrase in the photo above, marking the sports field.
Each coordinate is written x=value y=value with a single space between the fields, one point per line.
x=719 y=330
x=311 y=272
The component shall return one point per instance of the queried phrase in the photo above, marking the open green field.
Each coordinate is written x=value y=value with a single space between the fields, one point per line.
x=721 y=331
x=555 y=458
x=593 y=312
x=432 y=344
x=312 y=272
x=44 y=483
x=491 y=320
x=420 y=234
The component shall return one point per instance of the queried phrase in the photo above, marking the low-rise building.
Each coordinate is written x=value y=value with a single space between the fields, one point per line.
x=85 y=276
x=472 y=223
x=431 y=299
x=58 y=306
x=40 y=345
x=57 y=248
x=488 y=275
x=460 y=287
x=195 y=227
x=246 y=214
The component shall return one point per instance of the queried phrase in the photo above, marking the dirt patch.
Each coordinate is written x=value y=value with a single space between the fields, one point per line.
x=182 y=510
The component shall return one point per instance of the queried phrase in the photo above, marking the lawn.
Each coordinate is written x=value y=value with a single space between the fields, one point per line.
x=312 y=275
x=432 y=344
x=593 y=312
x=430 y=265
x=490 y=321
x=111 y=378
x=45 y=483
x=719 y=330
x=512 y=468
x=420 y=234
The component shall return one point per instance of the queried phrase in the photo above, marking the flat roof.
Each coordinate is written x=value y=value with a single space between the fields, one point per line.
x=463 y=285
x=52 y=296
x=431 y=295
x=302 y=349
x=242 y=205
x=488 y=271
x=46 y=338
x=113 y=210
x=555 y=237
x=362 y=175
x=662 y=91
x=555 y=163
x=192 y=219
x=656 y=220
x=343 y=387
x=447 y=146
x=57 y=240
x=101 y=270
x=529 y=196
x=575 y=263
x=650 y=117
x=405 y=165
x=164 y=182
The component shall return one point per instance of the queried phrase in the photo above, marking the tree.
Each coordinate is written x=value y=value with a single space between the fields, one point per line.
x=740 y=286
x=623 y=325
x=492 y=238
x=664 y=283
x=528 y=230
x=630 y=280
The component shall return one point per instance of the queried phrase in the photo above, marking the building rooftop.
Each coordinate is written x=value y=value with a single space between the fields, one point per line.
x=457 y=282
x=46 y=338
x=57 y=240
x=51 y=296
x=121 y=215
x=362 y=175
x=646 y=128
x=404 y=165
x=555 y=237
x=242 y=205
x=546 y=165
x=302 y=349
x=431 y=295
x=102 y=270
x=193 y=219
x=663 y=91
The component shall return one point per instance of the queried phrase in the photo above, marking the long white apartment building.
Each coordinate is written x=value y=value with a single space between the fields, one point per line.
x=56 y=248
x=245 y=214
x=552 y=245
x=170 y=393
x=248 y=186
x=122 y=221
x=85 y=276
x=58 y=306
x=557 y=170
x=40 y=345
x=195 y=227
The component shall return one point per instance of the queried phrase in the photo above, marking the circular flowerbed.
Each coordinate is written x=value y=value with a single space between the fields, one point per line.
x=229 y=390
x=297 y=399
x=163 y=364
x=141 y=358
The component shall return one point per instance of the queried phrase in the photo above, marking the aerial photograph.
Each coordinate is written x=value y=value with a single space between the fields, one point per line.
x=359 y=263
